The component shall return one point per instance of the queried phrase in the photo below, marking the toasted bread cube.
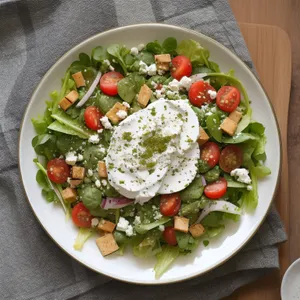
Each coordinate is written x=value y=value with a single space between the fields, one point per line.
x=106 y=226
x=196 y=230
x=75 y=182
x=64 y=103
x=203 y=137
x=72 y=96
x=144 y=95
x=69 y=194
x=229 y=126
x=78 y=172
x=235 y=116
x=162 y=58
x=107 y=244
x=163 y=66
x=79 y=79
x=181 y=224
x=112 y=114
x=102 y=169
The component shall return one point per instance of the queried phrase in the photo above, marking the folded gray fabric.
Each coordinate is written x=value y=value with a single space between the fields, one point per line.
x=33 y=35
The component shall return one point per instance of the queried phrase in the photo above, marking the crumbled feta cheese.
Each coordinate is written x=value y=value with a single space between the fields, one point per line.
x=144 y=69
x=94 y=139
x=174 y=85
x=134 y=51
x=94 y=222
x=209 y=113
x=161 y=227
x=137 y=220
x=90 y=172
x=125 y=104
x=151 y=70
x=160 y=72
x=122 y=114
x=79 y=157
x=105 y=122
x=185 y=82
x=122 y=224
x=100 y=130
x=212 y=94
x=154 y=84
x=141 y=47
x=242 y=175
x=97 y=183
x=104 y=182
x=157 y=215
x=159 y=93
x=71 y=158
x=129 y=230
x=111 y=68
x=249 y=187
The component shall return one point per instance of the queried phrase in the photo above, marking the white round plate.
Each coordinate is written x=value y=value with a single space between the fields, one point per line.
x=129 y=268
x=290 y=286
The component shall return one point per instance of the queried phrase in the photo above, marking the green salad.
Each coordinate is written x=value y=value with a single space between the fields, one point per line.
x=150 y=149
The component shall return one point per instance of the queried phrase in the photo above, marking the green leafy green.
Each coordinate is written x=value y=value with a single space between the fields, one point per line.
x=83 y=235
x=59 y=127
x=149 y=246
x=203 y=166
x=193 y=191
x=213 y=126
x=143 y=228
x=119 y=52
x=90 y=196
x=240 y=138
x=45 y=145
x=213 y=174
x=186 y=242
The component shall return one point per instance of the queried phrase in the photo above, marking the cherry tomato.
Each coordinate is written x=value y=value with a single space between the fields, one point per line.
x=170 y=204
x=109 y=83
x=92 y=116
x=216 y=189
x=228 y=98
x=159 y=86
x=169 y=235
x=57 y=170
x=199 y=93
x=181 y=66
x=210 y=153
x=81 y=216
x=231 y=158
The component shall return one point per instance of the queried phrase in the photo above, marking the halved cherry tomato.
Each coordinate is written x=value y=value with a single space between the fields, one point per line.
x=159 y=86
x=228 y=98
x=81 y=216
x=216 y=189
x=198 y=93
x=231 y=158
x=181 y=66
x=169 y=235
x=170 y=204
x=210 y=153
x=109 y=83
x=92 y=116
x=58 y=171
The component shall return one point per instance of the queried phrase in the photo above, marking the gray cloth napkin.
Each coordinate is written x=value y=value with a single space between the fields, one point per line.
x=33 y=35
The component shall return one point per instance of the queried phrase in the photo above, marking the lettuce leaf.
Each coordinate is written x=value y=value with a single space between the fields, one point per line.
x=143 y=228
x=83 y=235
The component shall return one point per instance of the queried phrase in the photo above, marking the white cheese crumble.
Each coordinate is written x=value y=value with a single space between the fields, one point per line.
x=111 y=68
x=94 y=222
x=100 y=130
x=129 y=230
x=104 y=182
x=249 y=187
x=154 y=84
x=97 y=183
x=212 y=94
x=90 y=172
x=105 y=122
x=151 y=70
x=122 y=114
x=141 y=47
x=94 y=139
x=125 y=104
x=137 y=220
x=71 y=158
x=134 y=51
x=157 y=215
x=144 y=69
x=161 y=227
x=242 y=175
x=123 y=225
x=79 y=157
x=174 y=85
x=185 y=82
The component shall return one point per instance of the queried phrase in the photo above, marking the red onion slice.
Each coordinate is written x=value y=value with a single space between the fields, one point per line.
x=89 y=93
x=203 y=180
x=198 y=77
x=114 y=203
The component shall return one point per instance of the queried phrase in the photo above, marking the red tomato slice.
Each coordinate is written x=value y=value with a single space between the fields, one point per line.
x=181 y=66
x=109 y=83
x=170 y=204
x=198 y=93
x=169 y=235
x=216 y=189
x=231 y=158
x=92 y=116
x=210 y=152
x=58 y=171
x=81 y=216
x=228 y=98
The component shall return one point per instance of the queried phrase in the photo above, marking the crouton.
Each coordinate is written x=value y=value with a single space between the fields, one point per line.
x=72 y=96
x=106 y=226
x=113 y=113
x=75 y=182
x=64 y=103
x=162 y=58
x=196 y=230
x=144 y=95
x=69 y=194
x=102 y=169
x=107 y=244
x=229 y=126
x=203 y=137
x=181 y=224
x=78 y=172
x=235 y=116
x=79 y=79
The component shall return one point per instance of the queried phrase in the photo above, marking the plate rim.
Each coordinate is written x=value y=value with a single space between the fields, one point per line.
x=158 y=282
